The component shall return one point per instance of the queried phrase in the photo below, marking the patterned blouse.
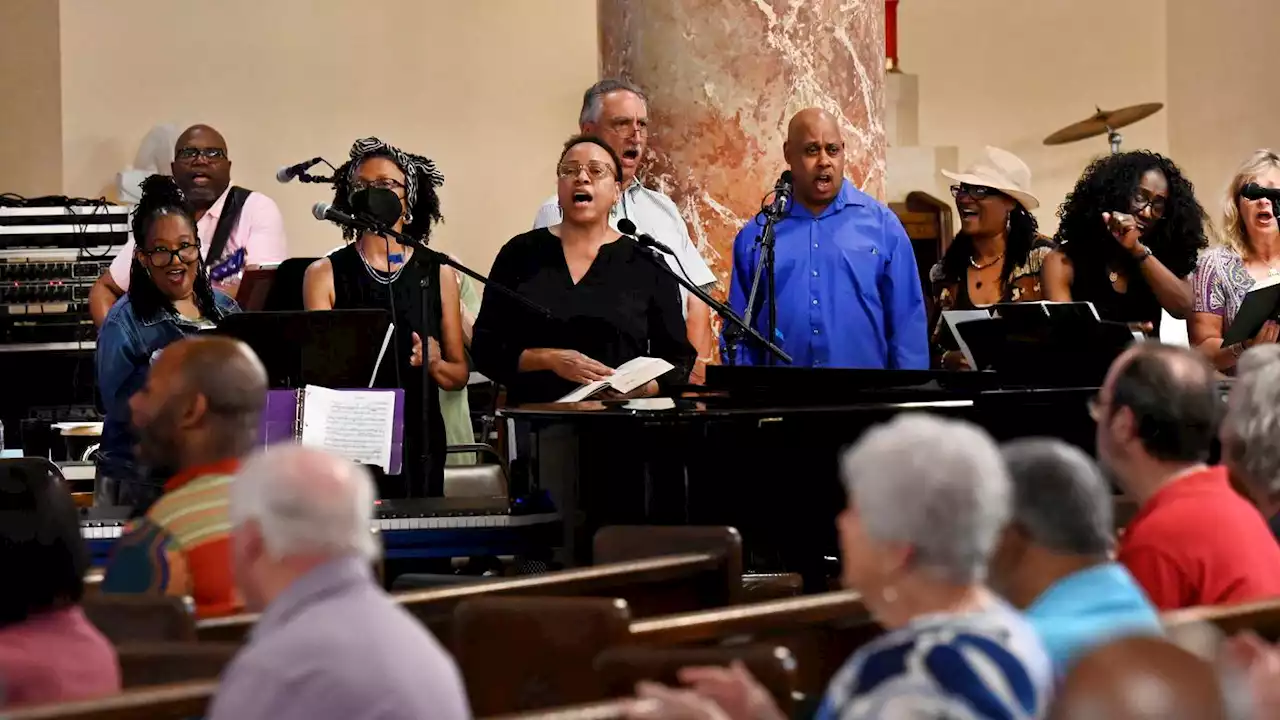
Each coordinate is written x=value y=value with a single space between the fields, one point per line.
x=952 y=293
x=1219 y=283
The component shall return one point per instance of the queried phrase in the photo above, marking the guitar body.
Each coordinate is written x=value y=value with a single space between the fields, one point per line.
x=230 y=267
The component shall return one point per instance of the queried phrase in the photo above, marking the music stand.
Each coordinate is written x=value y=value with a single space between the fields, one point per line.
x=330 y=348
x=1064 y=348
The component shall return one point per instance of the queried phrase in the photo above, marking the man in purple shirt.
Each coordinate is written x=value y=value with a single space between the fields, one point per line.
x=329 y=643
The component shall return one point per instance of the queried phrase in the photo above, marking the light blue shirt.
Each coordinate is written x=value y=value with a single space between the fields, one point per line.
x=849 y=294
x=1088 y=608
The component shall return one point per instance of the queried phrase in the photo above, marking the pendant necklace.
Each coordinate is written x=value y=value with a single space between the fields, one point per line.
x=974 y=264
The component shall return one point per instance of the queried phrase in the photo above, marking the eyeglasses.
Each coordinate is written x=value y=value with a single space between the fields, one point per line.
x=189 y=154
x=977 y=192
x=595 y=170
x=163 y=257
x=379 y=183
x=1139 y=203
x=629 y=127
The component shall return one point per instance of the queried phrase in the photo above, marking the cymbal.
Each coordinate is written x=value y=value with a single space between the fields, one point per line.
x=1102 y=122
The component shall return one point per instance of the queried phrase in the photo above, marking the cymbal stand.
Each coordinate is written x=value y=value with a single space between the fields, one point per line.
x=1114 y=137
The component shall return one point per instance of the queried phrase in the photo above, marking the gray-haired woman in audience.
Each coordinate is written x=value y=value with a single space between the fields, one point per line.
x=927 y=499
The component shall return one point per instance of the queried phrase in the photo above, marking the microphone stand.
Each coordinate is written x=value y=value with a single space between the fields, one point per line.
x=436 y=258
x=306 y=178
x=765 y=243
x=736 y=325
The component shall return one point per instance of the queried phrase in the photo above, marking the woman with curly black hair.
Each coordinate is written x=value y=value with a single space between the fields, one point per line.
x=169 y=297
x=996 y=256
x=1128 y=239
x=378 y=272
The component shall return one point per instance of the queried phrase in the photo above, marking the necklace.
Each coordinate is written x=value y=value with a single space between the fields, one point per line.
x=974 y=264
x=377 y=275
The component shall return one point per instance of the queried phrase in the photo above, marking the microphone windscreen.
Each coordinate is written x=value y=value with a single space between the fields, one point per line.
x=283 y=175
x=626 y=227
x=320 y=210
x=786 y=177
x=1253 y=191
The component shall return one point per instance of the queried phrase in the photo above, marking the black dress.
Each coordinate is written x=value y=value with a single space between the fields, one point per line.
x=355 y=286
x=624 y=307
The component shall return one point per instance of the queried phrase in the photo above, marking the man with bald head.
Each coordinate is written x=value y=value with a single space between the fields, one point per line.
x=198 y=414
x=848 y=292
x=245 y=225
x=1194 y=540
x=1145 y=678
x=330 y=643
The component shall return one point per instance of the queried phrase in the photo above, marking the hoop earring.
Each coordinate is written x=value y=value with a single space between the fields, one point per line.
x=408 y=217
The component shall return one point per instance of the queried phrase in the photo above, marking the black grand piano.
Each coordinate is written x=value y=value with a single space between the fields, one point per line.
x=758 y=449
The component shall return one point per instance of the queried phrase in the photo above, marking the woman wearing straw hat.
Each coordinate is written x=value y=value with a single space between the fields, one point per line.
x=997 y=254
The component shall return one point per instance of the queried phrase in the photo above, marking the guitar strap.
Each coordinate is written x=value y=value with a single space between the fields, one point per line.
x=231 y=209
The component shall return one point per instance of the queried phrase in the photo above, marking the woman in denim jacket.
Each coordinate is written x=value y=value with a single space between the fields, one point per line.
x=169 y=297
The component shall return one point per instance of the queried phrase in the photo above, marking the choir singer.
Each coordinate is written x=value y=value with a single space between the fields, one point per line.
x=609 y=302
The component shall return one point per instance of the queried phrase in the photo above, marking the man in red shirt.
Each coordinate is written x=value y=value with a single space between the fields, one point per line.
x=1194 y=540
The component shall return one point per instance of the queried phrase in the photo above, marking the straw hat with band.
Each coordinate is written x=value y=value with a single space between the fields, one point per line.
x=1000 y=170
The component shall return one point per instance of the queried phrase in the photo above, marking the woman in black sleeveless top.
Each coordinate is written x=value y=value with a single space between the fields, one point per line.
x=1128 y=239
x=374 y=272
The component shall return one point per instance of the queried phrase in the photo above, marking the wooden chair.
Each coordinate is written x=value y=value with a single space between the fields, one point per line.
x=928 y=223
x=1261 y=617
x=528 y=653
x=618 y=543
x=620 y=668
x=166 y=702
x=140 y=618
x=653 y=586
x=161 y=663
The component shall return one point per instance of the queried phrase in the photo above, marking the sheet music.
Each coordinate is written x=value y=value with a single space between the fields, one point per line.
x=354 y=424
x=956 y=317
x=629 y=376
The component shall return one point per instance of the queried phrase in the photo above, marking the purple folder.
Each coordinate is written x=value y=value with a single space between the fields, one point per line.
x=280 y=422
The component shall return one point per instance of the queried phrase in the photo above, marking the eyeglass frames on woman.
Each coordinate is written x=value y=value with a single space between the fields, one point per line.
x=163 y=257
x=977 y=192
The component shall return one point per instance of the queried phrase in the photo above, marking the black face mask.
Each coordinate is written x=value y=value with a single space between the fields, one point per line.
x=377 y=204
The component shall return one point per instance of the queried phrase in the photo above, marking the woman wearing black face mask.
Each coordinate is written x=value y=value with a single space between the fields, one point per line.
x=373 y=271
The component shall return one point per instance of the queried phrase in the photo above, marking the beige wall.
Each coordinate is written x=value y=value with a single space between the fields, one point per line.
x=487 y=88
x=30 y=116
x=1224 y=92
x=995 y=72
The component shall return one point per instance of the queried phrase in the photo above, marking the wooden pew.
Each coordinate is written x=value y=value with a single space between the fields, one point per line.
x=1261 y=617
x=163 y=702
x=150 y=664
x=502 y=645
x=651 y=586
x=140 y=618
x=607 y=710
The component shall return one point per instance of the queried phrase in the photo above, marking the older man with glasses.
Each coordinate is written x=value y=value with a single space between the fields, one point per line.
x=237 y=228
x=618 y=112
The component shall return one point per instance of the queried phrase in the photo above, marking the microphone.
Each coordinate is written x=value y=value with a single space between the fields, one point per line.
x=1254 y=191
x=629 y=228
x=326 y=211
x=289 y=172
x=781 y=196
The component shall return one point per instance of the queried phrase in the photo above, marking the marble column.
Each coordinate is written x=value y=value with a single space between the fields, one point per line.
x=725 y=76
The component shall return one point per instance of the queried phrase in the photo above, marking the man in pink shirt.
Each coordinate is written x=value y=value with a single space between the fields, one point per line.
x=202 y=168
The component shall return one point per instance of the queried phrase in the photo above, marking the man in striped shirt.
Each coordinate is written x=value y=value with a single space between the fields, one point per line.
x=198 y=414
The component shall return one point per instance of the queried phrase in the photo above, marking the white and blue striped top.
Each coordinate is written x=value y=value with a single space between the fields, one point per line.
x=988 y=664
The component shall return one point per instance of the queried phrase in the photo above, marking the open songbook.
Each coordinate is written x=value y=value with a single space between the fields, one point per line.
x=629 y=376
x=1260 y=304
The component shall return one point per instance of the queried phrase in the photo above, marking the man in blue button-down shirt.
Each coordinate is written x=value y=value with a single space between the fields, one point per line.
x=848 y=292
